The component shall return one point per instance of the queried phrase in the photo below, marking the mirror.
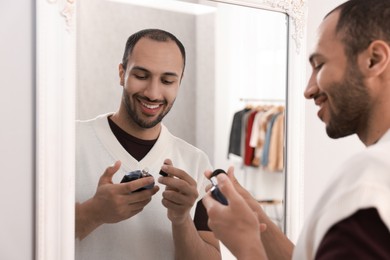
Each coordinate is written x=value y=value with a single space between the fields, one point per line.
x=60 y=51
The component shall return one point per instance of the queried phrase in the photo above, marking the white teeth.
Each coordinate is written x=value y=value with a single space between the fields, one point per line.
x=150 y=106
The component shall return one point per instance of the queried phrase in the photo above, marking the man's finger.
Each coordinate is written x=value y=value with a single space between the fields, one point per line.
x=109 y=172
x=226 y=187
x=208 y=174
x=262 y=227
x=208 y=201
x=168 y=162
x=230 y=173
x=178 y=173
x=208 y=187
x=137 y=184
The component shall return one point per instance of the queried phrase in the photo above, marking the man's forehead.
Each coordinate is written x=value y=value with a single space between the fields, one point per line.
x=165 y=59
x=327 y=28
x=326 y=32
x=149 y=42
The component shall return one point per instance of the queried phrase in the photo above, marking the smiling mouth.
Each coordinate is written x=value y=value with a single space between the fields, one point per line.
x=320 y=99
x=320 y=114
x=149 y=106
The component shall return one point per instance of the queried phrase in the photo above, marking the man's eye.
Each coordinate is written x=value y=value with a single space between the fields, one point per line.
x=140 y=76
x=167 y=82
x=318 y=66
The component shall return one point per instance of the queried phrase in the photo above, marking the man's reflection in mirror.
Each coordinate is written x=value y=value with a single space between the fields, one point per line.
x=120 y=220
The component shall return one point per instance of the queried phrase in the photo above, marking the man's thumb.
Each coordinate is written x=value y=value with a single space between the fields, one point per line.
x=226 y=187
x=109 y=172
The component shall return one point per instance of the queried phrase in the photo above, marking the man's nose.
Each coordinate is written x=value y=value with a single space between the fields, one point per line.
x=311 y=89
x=153 y=89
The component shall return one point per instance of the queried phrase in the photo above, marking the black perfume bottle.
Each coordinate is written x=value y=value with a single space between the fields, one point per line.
x=135 y=175
x=215 y=192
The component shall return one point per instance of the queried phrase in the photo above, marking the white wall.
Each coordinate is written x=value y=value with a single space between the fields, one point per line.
x=17 y=129
x=322 y=154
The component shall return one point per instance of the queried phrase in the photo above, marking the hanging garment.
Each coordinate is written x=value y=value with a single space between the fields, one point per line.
x=244 y=130
x=235 y=133
x=266 y=116
x=264 y=160
x=249 y=151
x=257 y=138
x=276 y=151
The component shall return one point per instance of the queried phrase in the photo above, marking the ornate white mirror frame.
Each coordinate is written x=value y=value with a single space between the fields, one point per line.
x=56 y=82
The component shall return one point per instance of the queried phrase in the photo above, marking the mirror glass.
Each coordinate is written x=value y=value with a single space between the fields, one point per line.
x=251 y=90
x=237 y=62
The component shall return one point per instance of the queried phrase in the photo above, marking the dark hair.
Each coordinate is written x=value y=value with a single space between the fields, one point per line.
x=154 y=34
x=361 y=22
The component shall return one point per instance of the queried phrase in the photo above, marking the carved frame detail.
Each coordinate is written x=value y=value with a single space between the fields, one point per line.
x=55 y=137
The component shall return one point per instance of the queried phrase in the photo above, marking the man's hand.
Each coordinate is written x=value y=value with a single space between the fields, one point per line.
x=180 y=193
x=112 y=202
x=235 y=224
x=253 y=204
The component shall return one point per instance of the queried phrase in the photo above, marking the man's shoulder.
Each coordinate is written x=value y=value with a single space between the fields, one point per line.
x=187 y=147
x=101 y=117
x=183 y=146
x=90 y=128
x=374 y=155
x=98 y=122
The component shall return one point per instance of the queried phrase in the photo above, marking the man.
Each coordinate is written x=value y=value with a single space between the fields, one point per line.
x=148 y=224
x=350 y=83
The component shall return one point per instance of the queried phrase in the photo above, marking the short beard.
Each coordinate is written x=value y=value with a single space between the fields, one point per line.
x=351 y=101
x=137 y=120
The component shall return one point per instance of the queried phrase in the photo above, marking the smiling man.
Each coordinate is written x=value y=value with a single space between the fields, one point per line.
x=350 y=83
x=113 y=219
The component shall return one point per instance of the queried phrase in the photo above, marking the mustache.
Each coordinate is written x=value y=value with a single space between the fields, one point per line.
x=146 y=99
x=319 y=98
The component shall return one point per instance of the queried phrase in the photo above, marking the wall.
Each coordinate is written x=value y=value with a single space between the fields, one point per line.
x=322 y=154
x=17 y=129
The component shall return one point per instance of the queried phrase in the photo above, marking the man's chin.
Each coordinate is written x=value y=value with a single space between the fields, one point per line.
x=337 y=133
x=148 y=124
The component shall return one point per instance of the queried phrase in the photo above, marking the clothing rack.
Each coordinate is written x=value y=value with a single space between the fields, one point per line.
x=251 y=158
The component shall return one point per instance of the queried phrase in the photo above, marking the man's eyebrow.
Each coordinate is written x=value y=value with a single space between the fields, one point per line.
x=139 y=68
x=171 y=74
x=147 y=71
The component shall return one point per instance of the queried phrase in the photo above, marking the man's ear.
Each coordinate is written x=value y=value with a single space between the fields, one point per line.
x=122 y=72
x=375 y=59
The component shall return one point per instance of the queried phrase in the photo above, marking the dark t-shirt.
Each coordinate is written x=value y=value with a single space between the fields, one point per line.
x=138 y=148
x=360 y=236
